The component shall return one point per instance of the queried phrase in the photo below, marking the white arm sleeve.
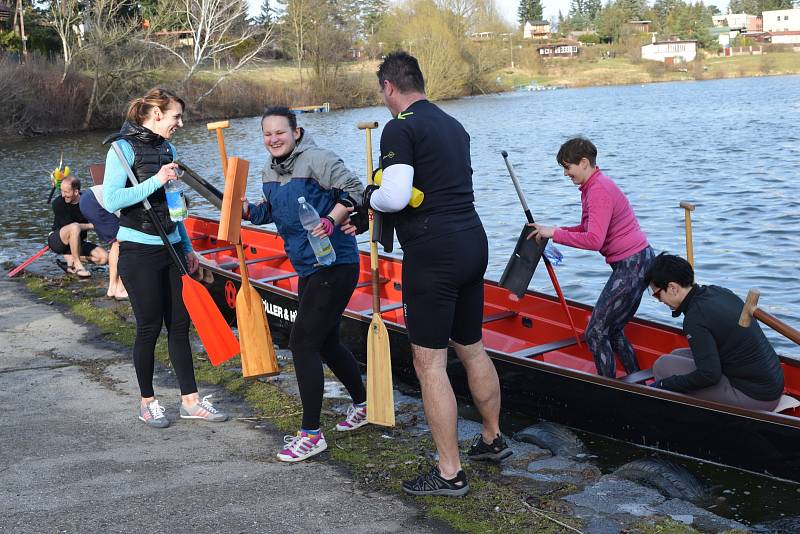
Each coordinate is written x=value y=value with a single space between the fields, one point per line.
x=395 y=190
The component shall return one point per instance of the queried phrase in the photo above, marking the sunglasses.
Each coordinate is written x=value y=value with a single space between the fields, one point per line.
x=655 y=294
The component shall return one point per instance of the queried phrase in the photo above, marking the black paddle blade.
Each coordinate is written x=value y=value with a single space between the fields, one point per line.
x=522 y=264
x=383 y=229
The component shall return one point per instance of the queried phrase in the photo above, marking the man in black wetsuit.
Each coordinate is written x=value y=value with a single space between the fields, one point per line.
x=445 y=253
x=70 y=228
x=726 y=362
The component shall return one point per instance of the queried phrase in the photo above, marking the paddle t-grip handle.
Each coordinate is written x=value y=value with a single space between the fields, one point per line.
x=751 y=310
x=368 y=125
x=688 y=208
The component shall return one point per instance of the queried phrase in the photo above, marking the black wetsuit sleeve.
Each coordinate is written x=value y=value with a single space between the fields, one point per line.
x=706 y=358
x=397 y=144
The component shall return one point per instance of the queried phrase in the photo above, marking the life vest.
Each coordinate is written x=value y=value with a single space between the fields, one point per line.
x=151 y=152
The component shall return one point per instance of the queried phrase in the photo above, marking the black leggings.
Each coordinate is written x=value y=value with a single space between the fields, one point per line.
x=315 y=338
x=154 y=287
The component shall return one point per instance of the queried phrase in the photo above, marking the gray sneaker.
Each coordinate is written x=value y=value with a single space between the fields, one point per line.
x=153 y=415
x=203 y=410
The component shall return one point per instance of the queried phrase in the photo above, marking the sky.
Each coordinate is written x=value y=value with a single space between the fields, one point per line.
x=508 y=8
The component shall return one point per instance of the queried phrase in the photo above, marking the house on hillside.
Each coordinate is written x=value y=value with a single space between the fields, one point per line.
x=536 y=29
x=638 y=26
x=5 y=13
x=782 y=26
x=670 y=52
x=558 y=50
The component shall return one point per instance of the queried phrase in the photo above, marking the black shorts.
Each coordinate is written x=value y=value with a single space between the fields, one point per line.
x=57 y=246
x=443 y=289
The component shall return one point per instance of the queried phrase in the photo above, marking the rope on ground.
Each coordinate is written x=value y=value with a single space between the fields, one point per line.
x=554 y=520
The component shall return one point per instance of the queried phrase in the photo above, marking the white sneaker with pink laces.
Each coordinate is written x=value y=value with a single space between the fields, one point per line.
x=302 y=446
x=356 y=418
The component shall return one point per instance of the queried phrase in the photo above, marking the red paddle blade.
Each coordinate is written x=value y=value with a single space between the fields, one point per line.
x=29 y=261
x=215 y=334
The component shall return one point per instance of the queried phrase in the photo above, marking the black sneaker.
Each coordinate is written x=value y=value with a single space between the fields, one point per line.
x=433 y=484
x=496 y=451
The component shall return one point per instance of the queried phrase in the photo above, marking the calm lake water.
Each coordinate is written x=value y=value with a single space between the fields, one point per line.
x=731 y=147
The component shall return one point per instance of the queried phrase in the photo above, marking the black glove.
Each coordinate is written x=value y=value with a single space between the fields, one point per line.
x=371 y=188
x=360 y=219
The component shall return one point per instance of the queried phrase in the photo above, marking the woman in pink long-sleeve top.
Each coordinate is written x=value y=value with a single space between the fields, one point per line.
x=609 y=226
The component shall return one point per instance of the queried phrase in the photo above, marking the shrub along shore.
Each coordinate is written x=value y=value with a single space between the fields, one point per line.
x=33 y=90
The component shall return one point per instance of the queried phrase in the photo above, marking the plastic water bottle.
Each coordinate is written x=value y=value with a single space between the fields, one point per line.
x=553 y=254
x=176 y=203
x=309 y=218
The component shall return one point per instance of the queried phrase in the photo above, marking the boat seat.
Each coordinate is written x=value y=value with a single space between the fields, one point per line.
x=233 y=264
x=787 y=402
x=639 y=377
x=215 y=250
x=499 y=316
x=366 y=283
x=385 y=308
x=538 y=350
x=282 y=276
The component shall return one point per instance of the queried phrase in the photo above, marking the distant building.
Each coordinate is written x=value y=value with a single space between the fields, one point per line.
x=784 y=37
x=783 y=20
x=639 y=26
x=5 y=12
x=558 y=50
x=536 y=29
x=670 y=51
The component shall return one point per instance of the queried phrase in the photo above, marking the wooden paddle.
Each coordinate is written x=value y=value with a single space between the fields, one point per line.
x=751 y=309
x=28 y=261
x=688 y=208
x=215 y=334
x=380 y=392
x=255 y=338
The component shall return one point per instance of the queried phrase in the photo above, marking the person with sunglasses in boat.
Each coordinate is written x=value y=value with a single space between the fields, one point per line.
x=609 y=226
x=725 y=362
x=297 y=168
x=151 y=277
x=445 y=254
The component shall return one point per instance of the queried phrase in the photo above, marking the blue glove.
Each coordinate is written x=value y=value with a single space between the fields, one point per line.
x=553 y=254
x=657 y=384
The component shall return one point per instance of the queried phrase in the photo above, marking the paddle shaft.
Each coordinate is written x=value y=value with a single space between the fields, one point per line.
x=751 y=309
x=205 y=189
x=373 y=246
x=550 y=270
x=688 y=208
x=28 y=261
x=50 y=196
x=223 y=156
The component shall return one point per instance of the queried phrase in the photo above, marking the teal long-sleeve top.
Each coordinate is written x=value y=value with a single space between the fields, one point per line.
x=117 y=196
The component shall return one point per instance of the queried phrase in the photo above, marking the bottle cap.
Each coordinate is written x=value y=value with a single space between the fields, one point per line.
x=301 y=200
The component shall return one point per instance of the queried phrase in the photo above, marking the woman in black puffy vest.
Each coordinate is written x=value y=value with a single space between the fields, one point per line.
x=151 y=277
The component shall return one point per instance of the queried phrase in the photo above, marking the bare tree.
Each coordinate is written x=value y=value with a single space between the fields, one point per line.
x=110 y=57
x=299 y=21
x=215 y=28
x=63 y=15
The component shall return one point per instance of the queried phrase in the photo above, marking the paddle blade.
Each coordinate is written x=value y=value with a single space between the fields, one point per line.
x=215 y=334
x=255 y=339
x=519 y=270
x=380 y=393
x=28 y=261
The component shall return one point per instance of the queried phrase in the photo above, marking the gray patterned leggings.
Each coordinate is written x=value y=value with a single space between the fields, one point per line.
x=616 y=306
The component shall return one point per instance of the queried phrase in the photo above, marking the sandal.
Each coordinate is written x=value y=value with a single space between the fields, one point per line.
x=63 y=265
x=81 y=273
